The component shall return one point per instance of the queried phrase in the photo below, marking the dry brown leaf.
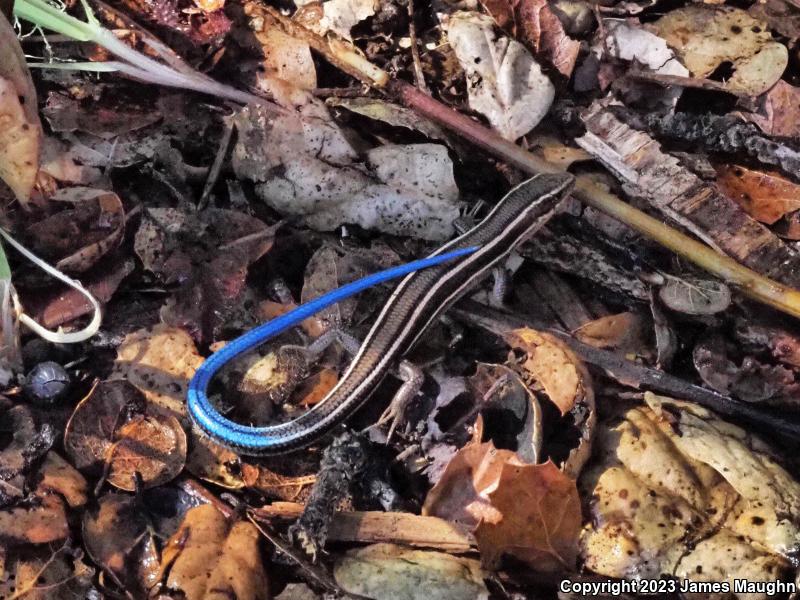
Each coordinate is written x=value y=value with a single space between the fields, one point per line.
x=153 y=447
x=780 y=115
x=81 y=235
x=541 y=519
x=624 y=331
x=20 y=128
x=288 y=72
x=462 y=493
x=59 y=575
x=43 y=522
x=510 y=416
x=764 y=196
x=706 y=36
x=117 y=538
x=160 y=362
x=550 y=362
x=92 y=427
x=58 y=476
x=212 y=558
x=540 y=29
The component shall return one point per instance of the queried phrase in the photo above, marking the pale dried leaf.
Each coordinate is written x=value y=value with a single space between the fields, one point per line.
x=504 y=82
x=303 y=164
x=20 y=141
x=20 y=128
x=705 y=37
x=389 y=572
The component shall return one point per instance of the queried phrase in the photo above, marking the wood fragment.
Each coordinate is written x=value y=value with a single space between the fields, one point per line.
x=369 y=527
x=654 y=175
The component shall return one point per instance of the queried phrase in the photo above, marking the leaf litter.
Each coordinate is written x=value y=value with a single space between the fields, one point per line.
x=623 y=414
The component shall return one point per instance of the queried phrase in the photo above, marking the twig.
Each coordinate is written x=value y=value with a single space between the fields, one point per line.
x=419 y=76
x=635 y=375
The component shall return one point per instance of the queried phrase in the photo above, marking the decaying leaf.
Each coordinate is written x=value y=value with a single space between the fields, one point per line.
x=208 y=255
x=624 y=332
x=782 y=16
x=42 y=521
x=112 y=425
x=117 y=538
x=390 y=572
x=541 y=518
x=393 y=114
x=677 y=490
x=504 y=82
x=78 y=237
x=531 y=512
x=48 y=575
x=510 y=412
x=159 y=362
x=29 y=441
x=288 y=71
x=212 y=557
x=303 y=164
x=60 y=477
x=695 y=296
x=780 y=115
x=92 y=426
x=751 y=381
x=541 y=30
x=706 y=36
x=765 y=196
x=550 y=362
x=151 y=447
x=20 y=128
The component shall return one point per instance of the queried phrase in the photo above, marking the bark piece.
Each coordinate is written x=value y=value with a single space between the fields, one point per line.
x=648 y=172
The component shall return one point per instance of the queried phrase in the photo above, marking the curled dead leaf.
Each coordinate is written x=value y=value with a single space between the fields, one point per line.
x=623 y=331
x=552 y=364
x=510 y=413
x=462 y=493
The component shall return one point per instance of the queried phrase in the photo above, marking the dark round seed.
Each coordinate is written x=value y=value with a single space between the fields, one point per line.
x=46 y=384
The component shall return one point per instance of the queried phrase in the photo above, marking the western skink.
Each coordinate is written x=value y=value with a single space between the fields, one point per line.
x=431 y=285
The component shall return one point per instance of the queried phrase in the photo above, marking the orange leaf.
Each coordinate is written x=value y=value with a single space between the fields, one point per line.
x=462 y=493
x=550 y=361
x=541 y=518
x=765 y=196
